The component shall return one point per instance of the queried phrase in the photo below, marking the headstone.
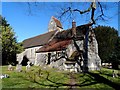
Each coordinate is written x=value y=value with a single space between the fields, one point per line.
x=76 y=68
x=10 y=68
x=19 y=68
x=28 y=66
x=114 y=74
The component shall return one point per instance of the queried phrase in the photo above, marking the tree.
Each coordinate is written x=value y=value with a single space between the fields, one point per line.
x=115 y=56
x=0 y=43
x=9 y=43
x=108 y=43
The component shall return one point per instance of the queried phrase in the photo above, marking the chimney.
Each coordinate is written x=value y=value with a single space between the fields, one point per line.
x=73 y=28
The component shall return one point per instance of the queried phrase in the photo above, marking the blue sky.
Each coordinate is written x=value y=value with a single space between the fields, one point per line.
x=27 y=24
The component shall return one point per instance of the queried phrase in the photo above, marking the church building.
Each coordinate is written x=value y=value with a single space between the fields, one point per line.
x=73 y=49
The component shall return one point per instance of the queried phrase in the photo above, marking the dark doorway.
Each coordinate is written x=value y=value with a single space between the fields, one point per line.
x=24 y=61
x=49 y=56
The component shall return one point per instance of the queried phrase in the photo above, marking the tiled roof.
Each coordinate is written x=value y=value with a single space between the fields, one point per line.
x=62 y=39
x=58 y=23
x=59 y=38
x=56 y=46
x=38 y=40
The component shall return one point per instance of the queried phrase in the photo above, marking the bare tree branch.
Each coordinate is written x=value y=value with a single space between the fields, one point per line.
x=92 y=15
x=69 y=11
x=29 y=8
x=92 y=6
x=102 y=13
x=82 y=12
x=65 y=11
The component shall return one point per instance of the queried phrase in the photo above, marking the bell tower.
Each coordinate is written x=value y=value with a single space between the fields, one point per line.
x=54 y=24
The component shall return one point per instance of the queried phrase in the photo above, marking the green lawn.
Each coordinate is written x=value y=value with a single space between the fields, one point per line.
x=53 y=78
x=36 y=78
x=98 y=79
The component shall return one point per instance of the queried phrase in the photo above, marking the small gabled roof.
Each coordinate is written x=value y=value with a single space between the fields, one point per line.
x=58 y=23
x=38 y=40
x=54 y=46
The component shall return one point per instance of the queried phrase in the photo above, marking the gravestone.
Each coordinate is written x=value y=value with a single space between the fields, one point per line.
x=19 y=68
x=28 y=66
x=114 y=74
x=10 y=67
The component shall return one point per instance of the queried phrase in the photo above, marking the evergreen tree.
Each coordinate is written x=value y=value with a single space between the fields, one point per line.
x=9 y=43
x=108 y=43
x=115 y=56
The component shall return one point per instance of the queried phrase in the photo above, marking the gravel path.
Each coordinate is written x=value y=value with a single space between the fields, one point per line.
x=72 y=81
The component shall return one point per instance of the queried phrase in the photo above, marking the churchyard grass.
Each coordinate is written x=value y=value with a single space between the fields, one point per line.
x=53 y=78
x=35 y=78
x=98 y=79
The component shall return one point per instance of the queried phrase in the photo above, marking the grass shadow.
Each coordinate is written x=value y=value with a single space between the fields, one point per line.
x=68 y=85
x=92 y=79
x=101 y=79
